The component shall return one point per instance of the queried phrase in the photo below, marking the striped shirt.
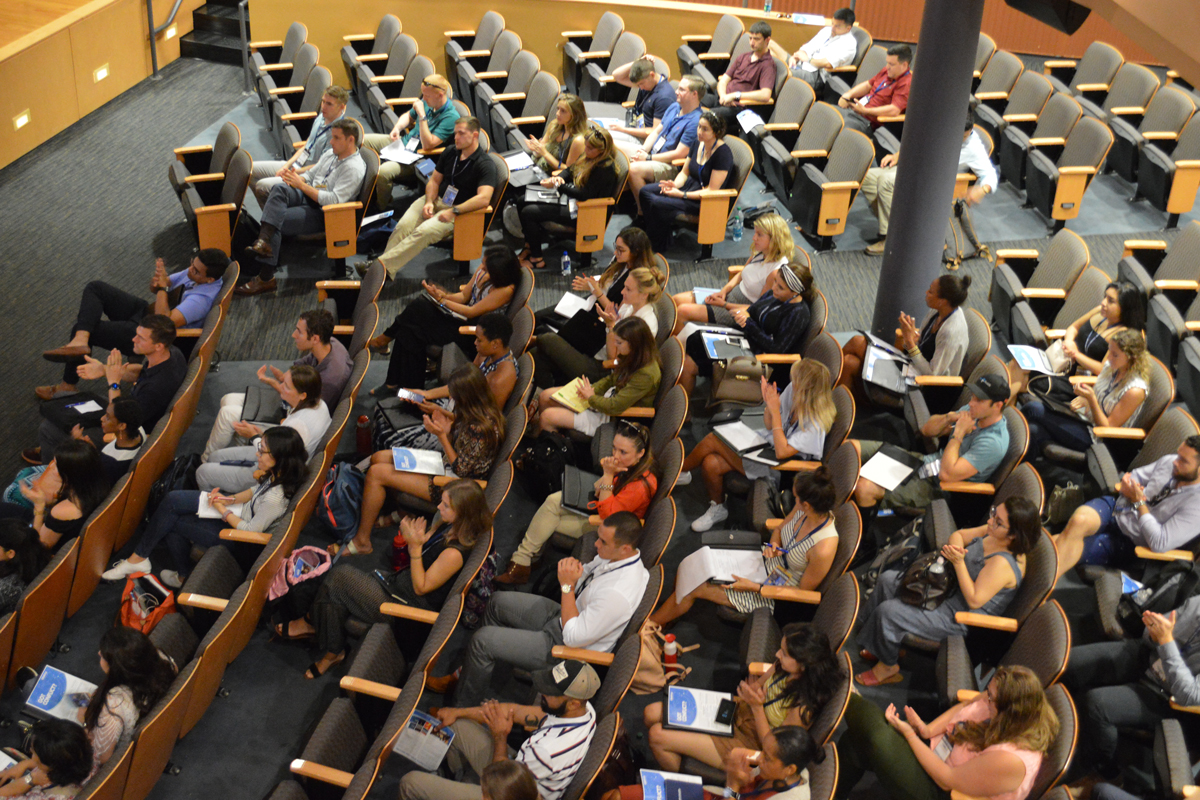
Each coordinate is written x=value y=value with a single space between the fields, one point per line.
x=556 y=749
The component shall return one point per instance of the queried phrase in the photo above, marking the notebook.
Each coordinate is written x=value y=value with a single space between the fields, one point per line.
x=577 y=490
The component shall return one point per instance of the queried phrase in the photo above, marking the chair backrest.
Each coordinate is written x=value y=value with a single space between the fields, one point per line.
x=1041 y=571
x=743 y=165
x=1182 y=260
x=156 y=733
x=499 y=484
x=629 y=46
x=1001 y=73
x=339 y=740
x=385 y=33
x=1058 y=117
x=782 y=75
x=793 y=101
x=821 y=127
x=979 y=342
x=41 y=610
x=669 y=417
x=848 y=521
x=665 y=315
x=229 y=139
x=306 y=60
x=148 y=464
x=742 y=45
x=1165 y=437
x=1063 y=261
x=844 y=465
x=657 y=530
x=670 y=463
x=439 y=634
x=824 y=348
x=521 y=71
x=1043 y=643
x=607 y=31
x=671 y=357
x=850 y=157
x=522 y=388
x=822 y=777
x=523 y=323
x=96 y=544
x=828 y=718
x=483 y=545
x=1084 y=294
x=648 y=604
x=729 y=29
x=1055 y=763
x=367 y=190
x=174 y=637
x=540 y=98
x=843 y=423
x=418 y=70
x=862 y=43
x=488 y=31
x=1029 y=94
x=297 y=35
x=618 y=678
x=1099 y=64
x=1168 y=111
x=818 y=315
x=1134 y=85
x=984 y=51
x=314 y=89
x=1188 y=147
x=1018 y=442
x=400 y=55
x=1160 y=393
x=600 y=748
x=1023 y=481
x=237 y=177
x=508 y=44
x=872 y=62
x=514 y=429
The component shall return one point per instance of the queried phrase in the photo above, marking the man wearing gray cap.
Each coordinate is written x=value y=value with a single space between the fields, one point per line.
x=564 y=723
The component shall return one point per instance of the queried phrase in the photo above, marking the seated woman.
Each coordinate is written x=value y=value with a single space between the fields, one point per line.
x=938 y=347
x=282 y=465
x=709 y=166
x=991 y=746
x=776 y=322
x=493 y=358
x=65 y=495
x=136 y=676
x=627 y=483
x=799 y=432
x=468 y=440
x=989 y=562
x=559 y=361
x=436 y=556
x=771 y=247
x=779 y=770
x=434 y=318
x=1115 y=401
x=633 y=381
x=798 y=685
x=561 y=144
x=229 y=468
x=1085 y=343
x=591 y=177
x=60 y=761
x=800 y=553
x=21 y=559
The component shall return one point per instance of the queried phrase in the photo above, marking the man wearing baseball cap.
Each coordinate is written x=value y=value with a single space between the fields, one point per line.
x=564 y=720
x=978 y=442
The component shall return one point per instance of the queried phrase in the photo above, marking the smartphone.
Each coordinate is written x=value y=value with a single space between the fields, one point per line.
x=80 y=699
x=725 y=711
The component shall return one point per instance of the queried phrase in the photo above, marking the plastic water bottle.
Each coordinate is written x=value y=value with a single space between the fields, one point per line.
x=670 y=650
x=566 y=264
x=766 y=6
x=739 y=225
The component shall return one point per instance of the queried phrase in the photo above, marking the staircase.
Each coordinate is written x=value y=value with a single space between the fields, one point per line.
x=214 y=35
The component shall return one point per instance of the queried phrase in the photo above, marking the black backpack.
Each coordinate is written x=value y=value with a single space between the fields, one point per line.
x=180 y=474
x=542 y=462
x=897 y=553
x=1174 y=585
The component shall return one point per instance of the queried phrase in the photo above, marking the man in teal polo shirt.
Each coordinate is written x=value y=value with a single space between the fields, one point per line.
x=428 y=125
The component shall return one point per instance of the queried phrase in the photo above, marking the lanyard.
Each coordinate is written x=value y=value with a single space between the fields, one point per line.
x=811 y=533
x=883 y=84
x=322 y=130
x=779 y=697
x=767 y=787
x=588 y=578
x=459 y=164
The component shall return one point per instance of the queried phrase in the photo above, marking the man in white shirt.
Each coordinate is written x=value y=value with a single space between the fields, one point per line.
x=267 y=174
x=833 y=46
x=598 y=600
x=879 y=183
x=564 y=723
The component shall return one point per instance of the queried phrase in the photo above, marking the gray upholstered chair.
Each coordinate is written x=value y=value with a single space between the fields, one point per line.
x=214 y=222
x=820 y=199
x=781 y=162
x=1098 y=66
x=515 y=81
x=467 y=44
x=1155 y=268
x=276 y=55
x=1025 y=102
x=917 y=408
x=1056 y=187
x=597 y=83
x=1164 y=438
x=1042 y=280
x=507 y=45
x=792 y=103
x=389 y=77
x=590 y=47
x=997 y=81
x=1161 y=121
x=1085 y=294
x=1169 y=178
x=1055 y=122
x=713 y=50
x=361 y=49
x=385 y=111
x=204 y=161
x=532 y=116
x=276 y=80
x=293 y=115
x=838 y=84
x=1131 y=91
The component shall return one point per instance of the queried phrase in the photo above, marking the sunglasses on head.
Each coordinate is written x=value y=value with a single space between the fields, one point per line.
x=632 y=430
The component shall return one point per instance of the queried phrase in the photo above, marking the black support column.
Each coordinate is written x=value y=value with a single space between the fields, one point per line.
x=933 y=128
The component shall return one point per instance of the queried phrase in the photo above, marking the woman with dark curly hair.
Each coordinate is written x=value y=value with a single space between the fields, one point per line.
x=60 y=761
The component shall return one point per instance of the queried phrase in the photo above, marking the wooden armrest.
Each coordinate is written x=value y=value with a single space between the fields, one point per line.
x=193 y=600
x=466 y=330
x=734 y=270
x=791 y=594
x=1044 y=294
x=758 y=668
x=285 y=90
x=402 y=101
x=326 y=285
x=678 y=162
x=897 y=118
x=696 y=37
x=581 y=654
x=847 y=68
x=939 y=380
x=1078 y=379
x=706 y=193
x=1191 y=163
x=1192 y=325
x=606 y=79
x=609 y=363
x=629 y=104
x=1092 y=87
x=1020 y=117
x=1160 y=136
x=223 y=208
x=777 y=358
x=781 y=126
x=499 y=73
x=358 y=37
x=187 y=151
x=976 y=73
x=1166 y=555
x=596 y=202
x=773 y=524
x=187 y=333
x=322 y=773
x=590 y=54
x=1119 y=110
x=1131 y=434
x=966 y=695
x=1059 y=63
x=506 y=96
x=986 y=621
x=1187 y=710
x=207 y=177
x=341 y=206
x=370 y=57
x=475 y=53
x=1039 y=141
x=248 y=537
x=276 y=67
x=1189 y=791
x=1055 y=333
x=749 y=101
x=373 y=688
x=456 y=34
x=1076 y=170
x=575 y=34
x=594 y=519
x=1007 y=253
x=298 y=115
x=991 y=95
x=1143 y=244
x=1177 y=285
x=713 y=56
x=637 y=412
x=446 y=480
x=968 y=487
x=265 y=43
x=527 y=120
x=810 y=153
x=408 y=612
x=436 y=151
x=796 y=465
x=836 y=185
x=387 y=79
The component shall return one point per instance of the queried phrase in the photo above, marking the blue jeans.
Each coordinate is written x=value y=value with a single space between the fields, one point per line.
x=1108 y=546
x=175 y=523
x=1046 y=427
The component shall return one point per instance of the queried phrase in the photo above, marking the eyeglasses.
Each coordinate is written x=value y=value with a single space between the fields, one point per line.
x=432 y=86
x=994 y=516
x=261 y=447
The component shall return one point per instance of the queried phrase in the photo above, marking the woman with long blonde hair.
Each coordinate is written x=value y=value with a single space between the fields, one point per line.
x=561 y=144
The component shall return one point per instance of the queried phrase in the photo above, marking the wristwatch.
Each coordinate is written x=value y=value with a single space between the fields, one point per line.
x=567 y=588
x=114 y=386
x=29 y=778
x=454 y=210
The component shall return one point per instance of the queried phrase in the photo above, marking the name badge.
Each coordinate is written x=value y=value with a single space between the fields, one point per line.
x=412 y=144
x=658 y=144
x=448 y=197
x=943 y=749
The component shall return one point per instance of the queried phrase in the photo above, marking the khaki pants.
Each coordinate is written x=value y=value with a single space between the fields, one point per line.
x=390 y=172
x=548 y=520
x=877 y=188
x=471 y=750
x=413 y=234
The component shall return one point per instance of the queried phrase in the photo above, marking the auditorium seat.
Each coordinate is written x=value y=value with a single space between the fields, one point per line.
x=507 y=45
x=343 y=221
x=714 y=50
x=285 y=79
x=293 y=115
x=535 y=110
x=214 y=223
x=711 y=70
x=1168 y=325
x=589 y=47
x=348 y=300
x=1106 y=463
x=199 y=165
x=511 y=86
x=368 y=48
x=384 y=111
x=1132 y=89
x=1169 y=177
x=1154 y=268
x=471 y=43
x=266 y=53
x=985 y=48
x=998 y=81
x=1085 y=294
x=863 y=44
x=1161 y=121
x=820 y=199
x=1058 y=117
x=1042 y=280
x=388 y=78
x=1056 y=187
x=781 y=165
x=1025 y=102
x=597 y=83
x=842 y=80
x=1096 y=68
x=792 y=104
x=717 y=205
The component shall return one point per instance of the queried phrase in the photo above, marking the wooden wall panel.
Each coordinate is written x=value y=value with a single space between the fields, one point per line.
x=113 y=36
x=38 y=78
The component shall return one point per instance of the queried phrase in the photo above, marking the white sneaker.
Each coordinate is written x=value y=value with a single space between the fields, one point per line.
x=684 y=479
x=716 y=513
x=512 y=221
x=123 y=569
x=171 y=578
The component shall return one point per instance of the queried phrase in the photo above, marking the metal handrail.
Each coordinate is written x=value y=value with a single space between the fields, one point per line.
x=155 y=31
x=242 y=28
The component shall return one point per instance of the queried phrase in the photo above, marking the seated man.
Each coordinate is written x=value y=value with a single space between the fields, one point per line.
x=313 y=336
x=750 y=76
x=1156 y=506
x=978 y=442
x=294 y=204
x=267 y=174
x=426 y=126
x=832 y=47
x=463 y=181
x=155 y=383
x=1128 y=684
x=885 y=95
x=122 y=421
x=651 y=162
x=880 y=181
x=598 y=600
x=564 y=723
x=654 y=97
x=185 y=297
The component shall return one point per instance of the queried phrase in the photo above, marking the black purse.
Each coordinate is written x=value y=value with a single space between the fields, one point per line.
x=928 y=582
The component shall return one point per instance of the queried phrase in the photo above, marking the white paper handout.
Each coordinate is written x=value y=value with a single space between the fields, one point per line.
x=376 y=217
x=738 y=435
x=86 y=407
x=572 y=304
x=425 y=462
x=710 y=563
x=518 y=161
x=885 y=471
x=206 y=510
x=396 y=151
x=749 y=120
x=1031 y=358
x=691 y=327
x=423 y=741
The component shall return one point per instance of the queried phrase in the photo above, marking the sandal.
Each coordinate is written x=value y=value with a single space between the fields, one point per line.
x=387 y=520
x=351 y=549
x=868 y=679
x=383 y=390
x=313 y=671
x=281 y=631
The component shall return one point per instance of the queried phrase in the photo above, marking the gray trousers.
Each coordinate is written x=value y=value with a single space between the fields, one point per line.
x=557 y=363
x=854 y=121
x=469 y=753
x=519 y=629
x=227 y=477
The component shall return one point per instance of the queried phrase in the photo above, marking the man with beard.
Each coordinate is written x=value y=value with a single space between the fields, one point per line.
x=1156 y=506
x=564 y=723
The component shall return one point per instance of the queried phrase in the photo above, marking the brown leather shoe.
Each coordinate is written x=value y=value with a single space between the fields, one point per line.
x=32 y=455
x=256 y=286
x=70 y=352
x=47 y=392
x=515 y=575
x=443 y=685
x=262 y=248
x=877 y=248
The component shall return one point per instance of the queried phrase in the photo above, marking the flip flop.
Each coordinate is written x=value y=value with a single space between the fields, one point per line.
x=387 y=521
x=354 y=550
x=868 y=679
